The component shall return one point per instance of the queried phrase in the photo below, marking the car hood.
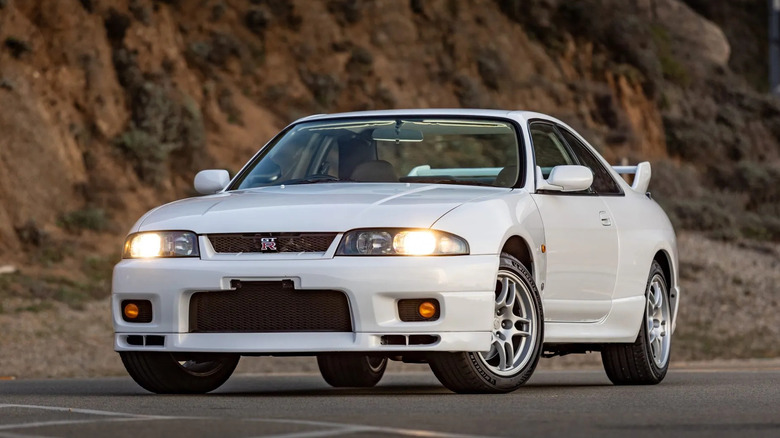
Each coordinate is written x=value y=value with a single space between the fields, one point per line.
x=332 y=207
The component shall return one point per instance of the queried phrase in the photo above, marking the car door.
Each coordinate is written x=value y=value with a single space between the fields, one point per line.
x=580 y=237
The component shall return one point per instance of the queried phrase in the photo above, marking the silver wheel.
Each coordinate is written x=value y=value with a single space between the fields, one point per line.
x=646 y=360
x=514 y=326
x=657 y=319
x=516 y=341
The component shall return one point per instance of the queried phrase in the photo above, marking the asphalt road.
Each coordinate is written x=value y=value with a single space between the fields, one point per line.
x=711 y=403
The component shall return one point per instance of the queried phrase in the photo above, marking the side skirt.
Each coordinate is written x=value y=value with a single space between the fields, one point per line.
x=621 y=325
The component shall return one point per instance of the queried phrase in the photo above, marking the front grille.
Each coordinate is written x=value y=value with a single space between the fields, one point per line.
x=269 y=306
x=282 y=242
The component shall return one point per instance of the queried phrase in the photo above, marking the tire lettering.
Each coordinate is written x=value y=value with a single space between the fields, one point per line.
x=480 y=370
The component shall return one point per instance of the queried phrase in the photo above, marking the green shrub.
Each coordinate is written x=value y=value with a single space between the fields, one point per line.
x=90 y=218
x=325 y=88
x=672 y=69
x=346 y=11
x=31 y=235
x=148 y=155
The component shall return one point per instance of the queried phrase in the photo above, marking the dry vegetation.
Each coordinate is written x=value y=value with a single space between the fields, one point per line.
x=110 y=106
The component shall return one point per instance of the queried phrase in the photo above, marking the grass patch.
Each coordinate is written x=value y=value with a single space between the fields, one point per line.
x=36 y=307
x=99 y=268
x=42 y=292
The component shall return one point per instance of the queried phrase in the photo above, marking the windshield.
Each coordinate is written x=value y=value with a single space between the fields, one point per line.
x=406 y=150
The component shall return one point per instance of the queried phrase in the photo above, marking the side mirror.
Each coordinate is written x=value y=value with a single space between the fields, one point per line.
x=208 y=182
x=566 y=178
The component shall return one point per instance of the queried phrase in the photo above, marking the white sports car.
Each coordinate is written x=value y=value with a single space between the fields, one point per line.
x=476 y=241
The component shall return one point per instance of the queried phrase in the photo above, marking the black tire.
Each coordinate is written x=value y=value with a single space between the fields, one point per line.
x=351 y=370
x=475 y=372
x=642 y=363
x=190 y=373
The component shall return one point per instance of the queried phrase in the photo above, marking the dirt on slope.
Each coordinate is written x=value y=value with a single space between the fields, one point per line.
x=109 y=107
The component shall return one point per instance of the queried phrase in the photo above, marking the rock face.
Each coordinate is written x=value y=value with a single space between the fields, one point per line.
x=109 y=107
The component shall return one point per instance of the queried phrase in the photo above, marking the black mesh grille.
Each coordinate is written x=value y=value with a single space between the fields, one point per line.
x=268 y=306
x=282 y=242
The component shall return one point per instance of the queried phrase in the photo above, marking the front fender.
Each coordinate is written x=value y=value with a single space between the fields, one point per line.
x=488 y=224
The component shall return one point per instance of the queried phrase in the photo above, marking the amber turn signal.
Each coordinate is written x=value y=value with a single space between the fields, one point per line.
x=427 y=309
x=131 y=311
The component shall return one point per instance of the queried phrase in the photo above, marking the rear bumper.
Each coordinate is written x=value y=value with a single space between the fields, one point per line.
x=463 y=285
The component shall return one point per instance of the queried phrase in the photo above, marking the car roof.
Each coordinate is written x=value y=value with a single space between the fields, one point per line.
x=513 y=114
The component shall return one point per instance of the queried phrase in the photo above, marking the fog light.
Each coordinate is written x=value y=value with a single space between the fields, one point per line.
x=418 y=310
x=131 y=311
x=427 y=309
x=136 y=311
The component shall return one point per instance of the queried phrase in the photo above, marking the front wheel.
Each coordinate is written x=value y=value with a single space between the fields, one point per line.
x=187 y=373
x=646 y=361
x=351 y=370
x=518 y=330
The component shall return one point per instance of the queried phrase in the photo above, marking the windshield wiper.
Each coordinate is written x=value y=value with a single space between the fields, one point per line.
x=443 y=180
x=312 y=179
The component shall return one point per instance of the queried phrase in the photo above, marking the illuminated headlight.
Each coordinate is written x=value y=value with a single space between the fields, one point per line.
x=401 y=242
x=161 y=244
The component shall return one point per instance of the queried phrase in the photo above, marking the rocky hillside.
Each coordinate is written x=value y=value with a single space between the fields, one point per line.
x=109 y=107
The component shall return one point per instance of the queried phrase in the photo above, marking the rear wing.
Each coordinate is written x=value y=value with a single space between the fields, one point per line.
x=641 y=174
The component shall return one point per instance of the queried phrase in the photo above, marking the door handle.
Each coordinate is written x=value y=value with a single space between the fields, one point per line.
x=605 y=220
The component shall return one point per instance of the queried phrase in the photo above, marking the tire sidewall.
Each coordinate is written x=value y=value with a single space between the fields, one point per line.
x=658 y=372
x=160 y=372
x=510 y=383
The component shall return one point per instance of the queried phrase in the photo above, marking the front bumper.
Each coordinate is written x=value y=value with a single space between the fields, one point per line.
x=463 y=285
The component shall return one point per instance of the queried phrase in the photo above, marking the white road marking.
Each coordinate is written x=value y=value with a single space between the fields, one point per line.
x=119 y=416
x=335 y=429
x=16 y=435
x=69 y=422
x=366 y=428
x=76 y=410
x=319 y=433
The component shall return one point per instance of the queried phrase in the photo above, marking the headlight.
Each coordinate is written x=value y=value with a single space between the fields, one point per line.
x=161 y=244
x=401 y=242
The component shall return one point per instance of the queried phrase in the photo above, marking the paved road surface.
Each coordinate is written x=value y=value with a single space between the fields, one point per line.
x=702 y=403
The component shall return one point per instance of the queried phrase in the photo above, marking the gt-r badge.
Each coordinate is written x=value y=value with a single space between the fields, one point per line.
x=268 y=244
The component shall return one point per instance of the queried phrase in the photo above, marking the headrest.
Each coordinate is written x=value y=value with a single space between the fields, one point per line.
x=374 y=171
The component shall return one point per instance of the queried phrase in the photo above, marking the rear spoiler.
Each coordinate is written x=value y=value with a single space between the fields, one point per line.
x=641 y=174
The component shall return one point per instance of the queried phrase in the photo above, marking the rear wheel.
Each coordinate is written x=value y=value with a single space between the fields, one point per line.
x=646 y=361
x=518 y=329
x=351 y=370
x=168 y=373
